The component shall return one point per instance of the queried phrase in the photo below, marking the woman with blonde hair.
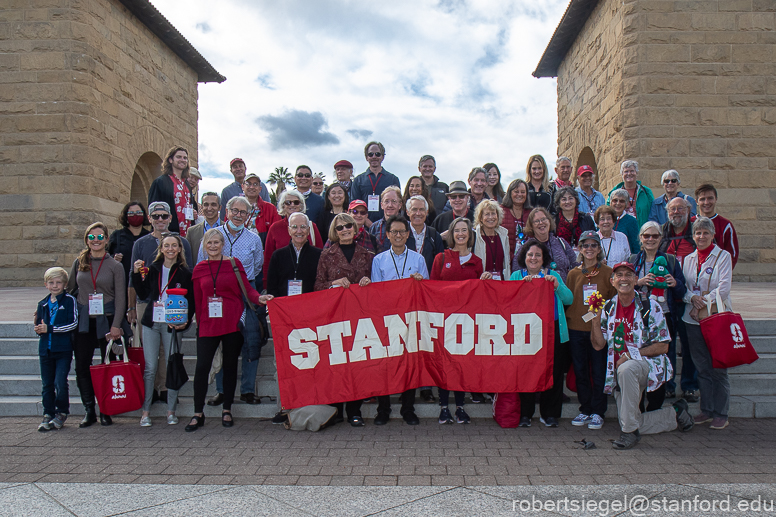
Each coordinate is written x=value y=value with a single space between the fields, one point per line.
x=538 y=180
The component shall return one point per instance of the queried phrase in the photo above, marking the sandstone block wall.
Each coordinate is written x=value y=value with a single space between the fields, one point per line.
x=85 y=90
x=697 y=93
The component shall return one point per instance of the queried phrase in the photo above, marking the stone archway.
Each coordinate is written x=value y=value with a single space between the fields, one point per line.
x=587 y=157
x=147 y=168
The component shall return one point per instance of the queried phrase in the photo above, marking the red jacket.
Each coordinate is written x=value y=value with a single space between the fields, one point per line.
x=227 y=288
x=278 y=237
x=725 y=236
x=447 y=266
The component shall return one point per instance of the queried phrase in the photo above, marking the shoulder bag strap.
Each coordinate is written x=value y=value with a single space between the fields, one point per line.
x=242 y=286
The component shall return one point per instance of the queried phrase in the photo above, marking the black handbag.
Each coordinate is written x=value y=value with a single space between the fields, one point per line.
x=176 y=372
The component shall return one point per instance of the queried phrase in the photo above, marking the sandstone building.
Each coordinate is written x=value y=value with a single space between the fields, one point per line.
x=92 y=94
x=676 y=84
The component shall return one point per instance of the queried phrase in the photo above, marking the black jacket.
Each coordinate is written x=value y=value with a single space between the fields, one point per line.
x=281 y=269
x=666 y=241
x=121 y=241
x=149 y=289
x=433 y=244
x=161 y=190
x=540 y=198
x=443 y=220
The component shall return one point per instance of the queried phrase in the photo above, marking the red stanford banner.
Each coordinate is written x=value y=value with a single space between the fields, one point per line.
x=474 y=335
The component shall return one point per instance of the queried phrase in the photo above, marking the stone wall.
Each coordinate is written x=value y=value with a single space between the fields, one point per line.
x=86 y=91
x=697 y=85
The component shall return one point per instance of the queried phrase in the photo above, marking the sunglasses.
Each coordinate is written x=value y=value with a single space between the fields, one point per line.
x=341 y=227
x=163 y=217
x=292 y=202
x=650 y=236
x=671 y=180
x=374 y=154
x=358 y=212
x=303 y=175
x=135 y=212
x=317 y=183
x=99 y=237
x=590 y=245
x=457 y=196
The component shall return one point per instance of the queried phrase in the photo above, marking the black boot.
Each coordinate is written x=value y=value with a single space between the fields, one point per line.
x=105 y=420
x=89 y=418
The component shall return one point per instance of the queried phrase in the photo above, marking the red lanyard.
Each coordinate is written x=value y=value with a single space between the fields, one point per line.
x=169 y=281
x=94 y=277
x=375 y=183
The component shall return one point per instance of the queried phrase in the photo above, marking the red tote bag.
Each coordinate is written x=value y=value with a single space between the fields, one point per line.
x=726 y=338
x=136 y=355
x=506 y=409
x=118 y=386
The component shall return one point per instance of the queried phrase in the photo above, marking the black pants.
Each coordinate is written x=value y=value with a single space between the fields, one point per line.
x=551 y=400
x=206 y=350
x=352 y=408
x=83 y=352
x=407 y=402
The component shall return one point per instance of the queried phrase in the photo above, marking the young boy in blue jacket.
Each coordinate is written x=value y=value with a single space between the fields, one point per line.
x=56 y=321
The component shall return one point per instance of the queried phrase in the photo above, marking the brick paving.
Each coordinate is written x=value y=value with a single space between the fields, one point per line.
x=259 y=453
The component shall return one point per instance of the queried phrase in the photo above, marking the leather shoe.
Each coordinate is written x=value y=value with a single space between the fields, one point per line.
x=216 y=400
x=199 y=421
x=427 y=395
x=411 y=418
x=249 y=398
x=105 y=420
x=382 y=418
x=89 y=418
x=224 y=421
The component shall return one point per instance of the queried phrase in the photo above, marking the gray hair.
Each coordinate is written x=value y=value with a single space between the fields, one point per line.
x=629 y=163
x=686 y=203
x=417 y=197
x=703 y=223
x=563 y=159
x=299 y=214
x=425 y=158
x=282 y=200
x=670 y=173
x=651 y=225
x=620 y=192
x=238 y=199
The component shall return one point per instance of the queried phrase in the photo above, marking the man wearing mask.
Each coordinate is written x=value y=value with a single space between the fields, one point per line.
x=238 y=169
x=263 y=214
x=304 y=183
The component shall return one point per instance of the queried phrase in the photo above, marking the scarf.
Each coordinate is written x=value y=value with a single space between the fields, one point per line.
x=569 y=230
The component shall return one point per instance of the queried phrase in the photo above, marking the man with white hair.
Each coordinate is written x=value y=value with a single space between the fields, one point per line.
x=562 y=179
x=640 y=198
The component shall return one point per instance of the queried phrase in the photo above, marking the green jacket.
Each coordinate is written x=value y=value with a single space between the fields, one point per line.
x=563 y=296
x=644 y=199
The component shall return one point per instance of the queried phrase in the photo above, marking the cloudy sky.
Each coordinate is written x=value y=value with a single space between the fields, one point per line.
x=312 y=81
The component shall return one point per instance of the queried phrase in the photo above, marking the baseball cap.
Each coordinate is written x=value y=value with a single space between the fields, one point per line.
x=235 y=160
x=355 y=203
x=584 y=169
x=343 y=163
x=158 y=205
x=623 y=264
x=590 y=235
x=252 y=175
x=195 y=172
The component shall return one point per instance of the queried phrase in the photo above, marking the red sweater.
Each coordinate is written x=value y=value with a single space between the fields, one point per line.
x=725 y=236
x=278 y=237
x=447 y=266
x=227 y=288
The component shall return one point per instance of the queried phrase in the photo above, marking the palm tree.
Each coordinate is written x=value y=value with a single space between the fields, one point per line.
x=280 y=177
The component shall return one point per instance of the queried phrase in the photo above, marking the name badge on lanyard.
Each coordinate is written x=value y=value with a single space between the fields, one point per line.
x=495 y=276
x=215 y=306
x=158 y=312
x=587 y=290
x=189 y=212
x=373 y=203
x=294 y=287
x=95 y=305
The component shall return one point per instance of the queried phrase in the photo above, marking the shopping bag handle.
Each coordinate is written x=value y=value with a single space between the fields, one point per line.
x=106 y=359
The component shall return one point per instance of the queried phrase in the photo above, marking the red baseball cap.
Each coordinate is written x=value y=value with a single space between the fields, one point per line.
x=623 y=264
x=235 y=160
x=343 y=163
x=584 y=169
x=355 y=203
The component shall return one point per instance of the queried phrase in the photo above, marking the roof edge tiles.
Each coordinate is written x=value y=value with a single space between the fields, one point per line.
x=565 y=34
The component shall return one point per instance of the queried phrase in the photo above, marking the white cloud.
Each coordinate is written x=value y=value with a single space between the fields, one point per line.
x=449 y=78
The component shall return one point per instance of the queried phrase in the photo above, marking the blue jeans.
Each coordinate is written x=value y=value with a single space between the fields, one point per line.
x=689 y=380
x=54 y=368
x=587 y=361
x=251 y=337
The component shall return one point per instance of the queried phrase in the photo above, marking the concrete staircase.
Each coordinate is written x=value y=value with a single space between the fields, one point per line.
x=753 y=386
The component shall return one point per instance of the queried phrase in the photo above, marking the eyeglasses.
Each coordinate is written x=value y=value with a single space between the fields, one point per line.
x=457 y=196
x=135 y=212
x=589 y=245
x=358 y=212
x=397 y=232
x=99 y=237
x=650 y=236
x=303 y=175
x=290 y=202
x=296 y=227
x=374 y=154
x=163 y=217
x=676 y=210
x=671 y=180
x=541 y=221
x=341 y=227
x=237 y=211
x=249 y=184
x=390 y=201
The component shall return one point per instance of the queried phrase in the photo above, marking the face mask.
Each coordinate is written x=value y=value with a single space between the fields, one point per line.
x=234 y=227
x=135 y=220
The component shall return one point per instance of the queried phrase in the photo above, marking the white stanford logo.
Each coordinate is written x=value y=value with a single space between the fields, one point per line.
x=118 y=387
x=737 y=335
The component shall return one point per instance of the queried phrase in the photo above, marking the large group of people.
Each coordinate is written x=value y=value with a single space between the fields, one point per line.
x=227 y=249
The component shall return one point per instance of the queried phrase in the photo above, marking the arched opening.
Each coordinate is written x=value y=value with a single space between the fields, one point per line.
x=147 y=168
x=586 y=157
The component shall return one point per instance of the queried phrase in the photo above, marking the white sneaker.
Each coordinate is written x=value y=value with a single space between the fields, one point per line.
x=172 y=419
x=145 y=421
x=596 y=422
